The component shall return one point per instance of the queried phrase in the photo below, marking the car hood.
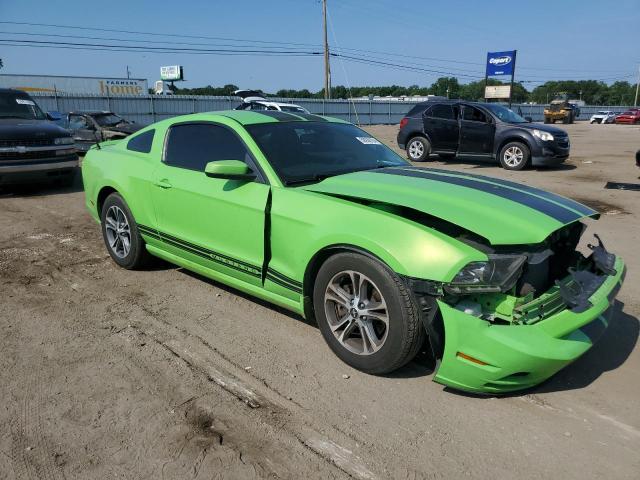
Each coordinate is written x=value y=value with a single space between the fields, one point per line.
x=542 y=127
x=503 y=212
x=19 y=129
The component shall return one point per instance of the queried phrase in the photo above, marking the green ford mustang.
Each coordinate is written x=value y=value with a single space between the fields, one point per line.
x=315 y=215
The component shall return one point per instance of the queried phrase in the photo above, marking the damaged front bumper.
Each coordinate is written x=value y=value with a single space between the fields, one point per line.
x=546 y=335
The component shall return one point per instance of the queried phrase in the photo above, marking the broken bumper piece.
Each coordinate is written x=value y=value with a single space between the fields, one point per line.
x=485 y=357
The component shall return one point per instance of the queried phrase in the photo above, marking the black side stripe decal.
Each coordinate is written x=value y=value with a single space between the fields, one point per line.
x=202 y=252
x=553 y=210
x=569 y=203
x=284 y=281
x=239 y=265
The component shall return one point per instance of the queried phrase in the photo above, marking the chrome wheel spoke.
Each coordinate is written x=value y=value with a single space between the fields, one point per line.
x=118 y=231
x=339 y=295
x=356 y=312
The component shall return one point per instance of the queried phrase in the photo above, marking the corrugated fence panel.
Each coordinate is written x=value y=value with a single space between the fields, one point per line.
x=145 y=109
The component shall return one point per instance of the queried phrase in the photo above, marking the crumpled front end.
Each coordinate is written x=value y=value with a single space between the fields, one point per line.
x=506 y=341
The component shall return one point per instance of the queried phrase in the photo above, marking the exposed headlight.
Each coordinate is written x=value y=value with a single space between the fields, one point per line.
x=63 y=141
x=498 y=274
x=544 y=136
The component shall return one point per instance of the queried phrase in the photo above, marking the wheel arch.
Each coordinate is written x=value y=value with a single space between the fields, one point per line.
x=103 y=193
x=513 y=138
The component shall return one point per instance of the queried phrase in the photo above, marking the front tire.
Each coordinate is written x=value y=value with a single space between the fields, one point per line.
x=121 y=235
x=418 y=149
x=514 y=156
x=366 y=314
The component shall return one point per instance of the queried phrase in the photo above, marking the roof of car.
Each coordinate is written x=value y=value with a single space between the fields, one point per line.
x=252 y=117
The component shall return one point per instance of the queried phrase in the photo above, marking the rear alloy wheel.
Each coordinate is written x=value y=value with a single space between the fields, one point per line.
x=418 y=149
x=121 y=236
x=366 y=314
x=514 y=156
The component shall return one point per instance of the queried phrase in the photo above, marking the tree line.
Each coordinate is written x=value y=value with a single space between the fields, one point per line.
x=593 y=92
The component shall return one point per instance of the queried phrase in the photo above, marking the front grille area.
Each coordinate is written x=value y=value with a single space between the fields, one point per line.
x=32 y=142
x=27 y=155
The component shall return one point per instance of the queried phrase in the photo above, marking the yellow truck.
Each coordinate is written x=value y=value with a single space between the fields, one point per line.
x=561 y=110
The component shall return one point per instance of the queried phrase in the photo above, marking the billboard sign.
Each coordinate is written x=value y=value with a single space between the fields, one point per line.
x=497 y=91
x=171 y=73
x=71 y=85
x=500 y=63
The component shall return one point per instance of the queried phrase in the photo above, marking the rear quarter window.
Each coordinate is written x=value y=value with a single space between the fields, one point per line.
x=417 y=110
x=142 y=142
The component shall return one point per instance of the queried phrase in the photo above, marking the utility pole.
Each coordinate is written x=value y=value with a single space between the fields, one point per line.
x=327 y=66
x=635 y=102
x=128 y=72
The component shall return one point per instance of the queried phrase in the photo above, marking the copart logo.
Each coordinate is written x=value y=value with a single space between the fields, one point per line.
x=500 y=61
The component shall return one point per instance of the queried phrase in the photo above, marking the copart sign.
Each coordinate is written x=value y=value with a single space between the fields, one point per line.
x=500 y=63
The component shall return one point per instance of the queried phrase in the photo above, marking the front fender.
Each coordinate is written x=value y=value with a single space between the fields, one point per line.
x=304 y=223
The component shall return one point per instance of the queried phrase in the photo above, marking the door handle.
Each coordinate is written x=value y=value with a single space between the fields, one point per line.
x=164 y=183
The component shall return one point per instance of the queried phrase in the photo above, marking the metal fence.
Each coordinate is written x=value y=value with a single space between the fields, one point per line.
x=145 y=109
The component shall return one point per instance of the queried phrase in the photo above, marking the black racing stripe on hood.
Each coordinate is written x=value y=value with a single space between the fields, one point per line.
x=567 y=202
x=555 y=211
x=280 y=116
x=311 y=117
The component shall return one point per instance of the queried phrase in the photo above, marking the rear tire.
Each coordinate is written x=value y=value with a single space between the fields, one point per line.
x=418 y=149
x=121 y=235
x=375 y=327
x=514 y=156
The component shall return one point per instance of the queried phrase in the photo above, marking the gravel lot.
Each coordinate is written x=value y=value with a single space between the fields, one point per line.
x=107 y=373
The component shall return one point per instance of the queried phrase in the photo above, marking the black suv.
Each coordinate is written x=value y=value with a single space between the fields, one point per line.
x=482 y=130
x=32 y=147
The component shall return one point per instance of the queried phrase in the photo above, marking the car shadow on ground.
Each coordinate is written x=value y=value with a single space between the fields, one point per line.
x=42 y=189
x=609 y=353
x=422 y=365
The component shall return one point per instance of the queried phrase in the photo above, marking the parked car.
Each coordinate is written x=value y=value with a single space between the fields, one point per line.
x=253 y=100
x=87 y=128
x=482 y=130
x=638 y=158
x=317 y=216
x=631 y=116
x=603 y=116
x=32 y=147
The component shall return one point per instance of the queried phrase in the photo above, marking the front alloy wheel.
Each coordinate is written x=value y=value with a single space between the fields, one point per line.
x=366 y=313
x=514 y=156
x=356 y=312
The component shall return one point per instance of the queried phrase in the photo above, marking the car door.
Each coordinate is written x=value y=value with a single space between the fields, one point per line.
x=477 y=131
x=441 y=126
x=82 y=131
x=215 y=222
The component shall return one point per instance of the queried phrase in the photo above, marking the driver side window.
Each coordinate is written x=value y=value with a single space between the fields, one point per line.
x=474 y=115
x=192 y=146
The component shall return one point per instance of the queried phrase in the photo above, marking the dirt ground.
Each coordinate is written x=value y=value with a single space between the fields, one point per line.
x=107 y=373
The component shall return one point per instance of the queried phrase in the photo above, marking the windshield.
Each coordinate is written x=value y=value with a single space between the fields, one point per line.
x=16 y=105
x=505 y=114
x=305 y=152
x=289 y=108
x=108 y=119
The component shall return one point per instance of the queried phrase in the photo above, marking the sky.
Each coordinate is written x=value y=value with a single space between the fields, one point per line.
x=422 y=40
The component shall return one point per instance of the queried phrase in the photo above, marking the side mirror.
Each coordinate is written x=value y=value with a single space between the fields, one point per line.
x=528 y=119
x=229 y=170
